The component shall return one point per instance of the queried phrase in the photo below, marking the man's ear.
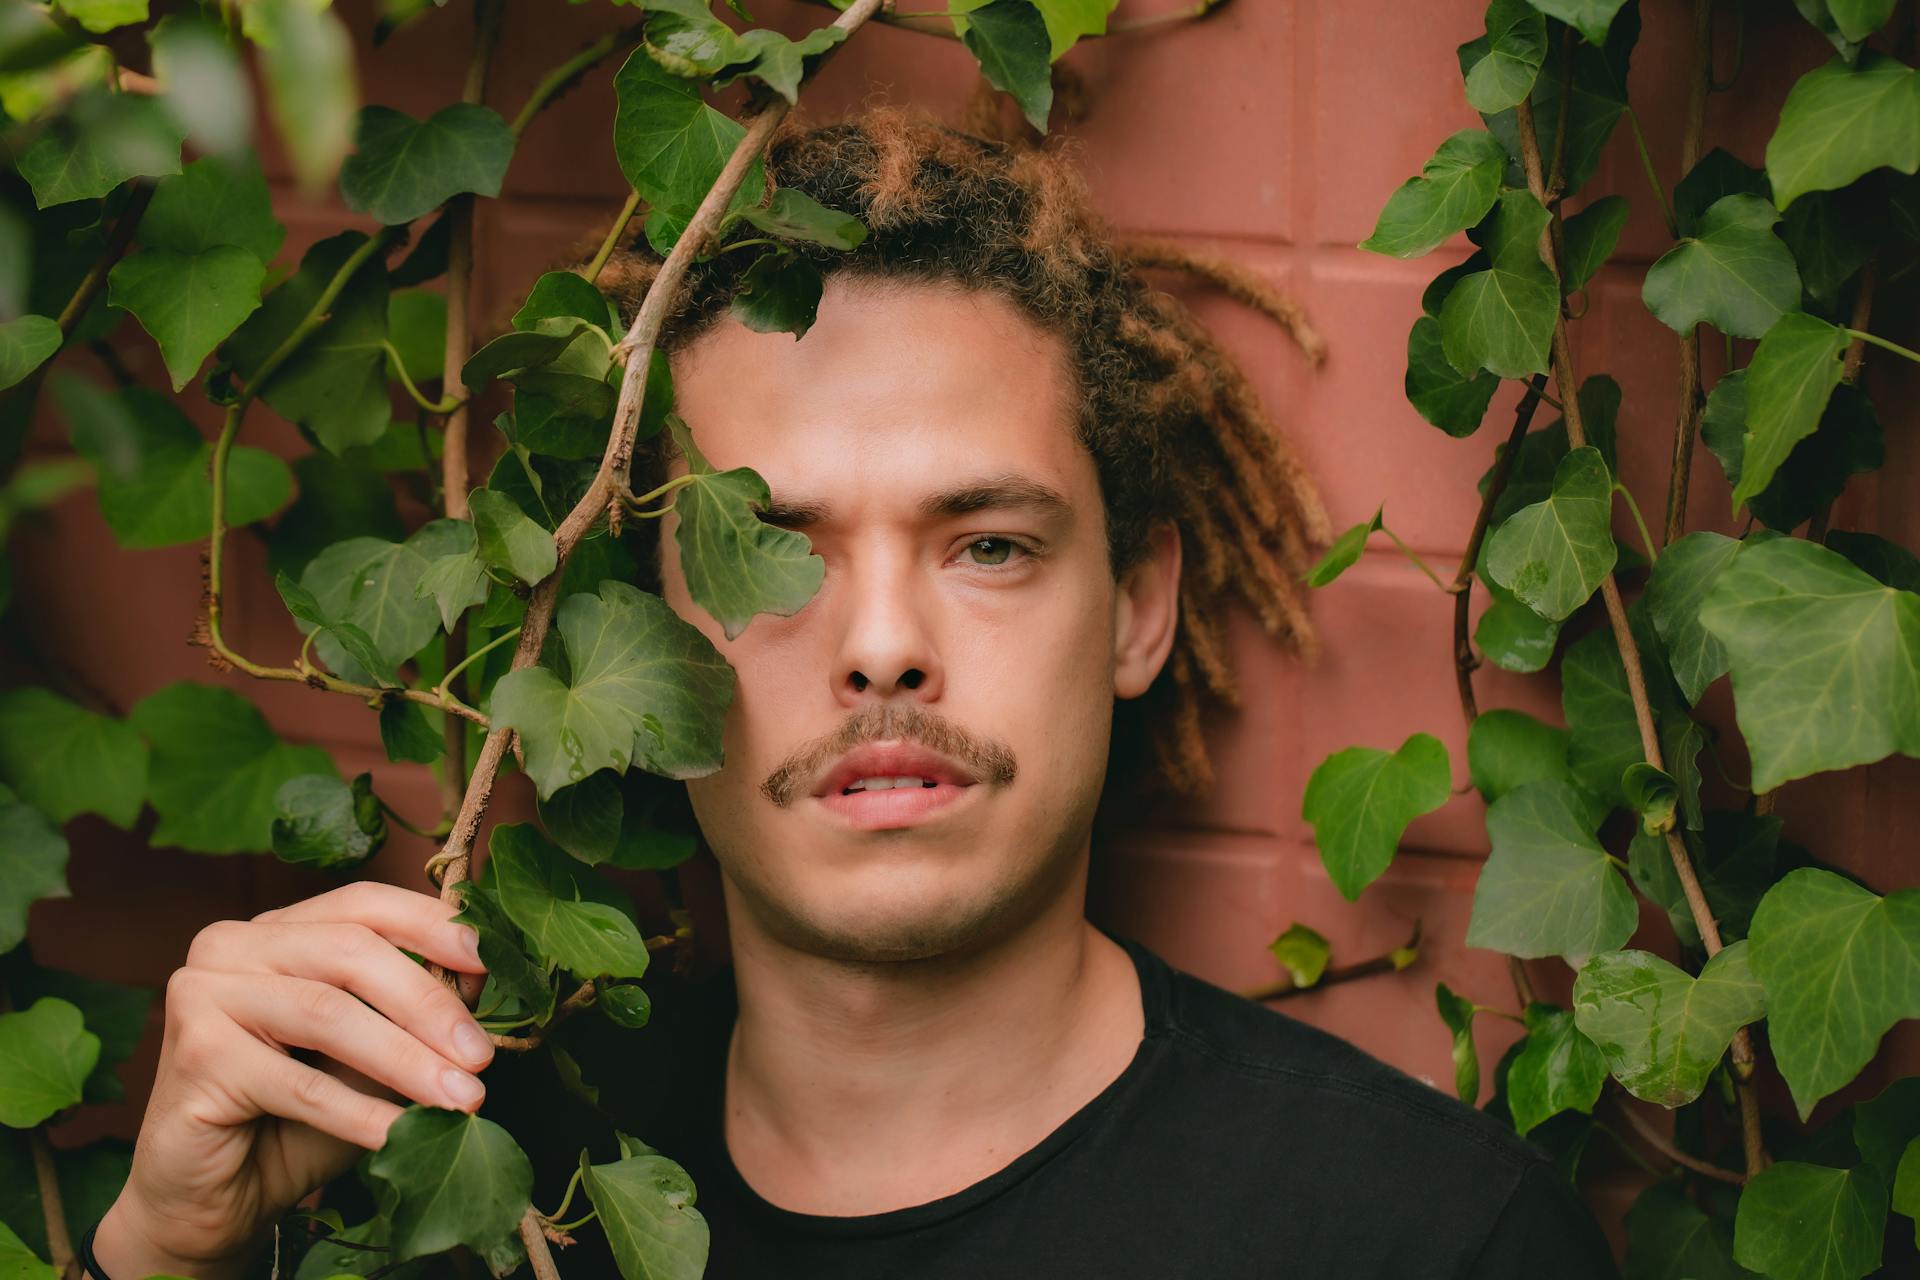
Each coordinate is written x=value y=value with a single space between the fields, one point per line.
x=1146 y=613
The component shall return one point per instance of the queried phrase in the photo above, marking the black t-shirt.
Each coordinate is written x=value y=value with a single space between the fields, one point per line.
x=1237 y=1144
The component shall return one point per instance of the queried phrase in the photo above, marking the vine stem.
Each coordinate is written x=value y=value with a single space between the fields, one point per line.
x=487 y=16
x=582 y=998
x=556 y=81
x=1418 y=563
x=1655 y=1139
x=612 y=242
x=534 y=1238
x=609 y=489
x=1388 y=962
x=1686 y=427
x=1639 y=522
x=1861 y=335
x=1565 y=375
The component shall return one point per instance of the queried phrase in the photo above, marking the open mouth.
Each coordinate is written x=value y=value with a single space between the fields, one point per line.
x=892 y=784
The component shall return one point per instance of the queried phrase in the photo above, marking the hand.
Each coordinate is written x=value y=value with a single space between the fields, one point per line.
x=238 y=1129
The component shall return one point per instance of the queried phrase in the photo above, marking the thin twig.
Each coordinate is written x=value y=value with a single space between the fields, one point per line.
x=582 y=998
x=564 y=76
x=612 y=242
x=538 y=1255
x=1686 y=427
x=453 y=457
x=1388 y=962
x=1655 y=1139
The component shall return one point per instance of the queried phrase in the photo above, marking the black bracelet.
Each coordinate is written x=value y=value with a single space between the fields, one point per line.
x=89 y=1266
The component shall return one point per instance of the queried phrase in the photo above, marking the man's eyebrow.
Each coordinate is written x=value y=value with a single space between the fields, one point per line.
x=993 y=493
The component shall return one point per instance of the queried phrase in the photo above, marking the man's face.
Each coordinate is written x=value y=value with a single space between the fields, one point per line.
x=969 y=636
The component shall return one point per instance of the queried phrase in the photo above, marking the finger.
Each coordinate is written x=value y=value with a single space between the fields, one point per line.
x=420 y=922
x=312 y=1015
x=280 y=1086
x=354 y=958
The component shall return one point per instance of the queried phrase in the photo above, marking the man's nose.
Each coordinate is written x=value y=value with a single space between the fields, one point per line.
x=887 y=645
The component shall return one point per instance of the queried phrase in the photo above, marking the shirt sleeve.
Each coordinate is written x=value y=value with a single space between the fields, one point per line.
x=1544 y=1230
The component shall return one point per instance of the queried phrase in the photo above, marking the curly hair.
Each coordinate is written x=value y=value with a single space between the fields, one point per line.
x=1175 y=430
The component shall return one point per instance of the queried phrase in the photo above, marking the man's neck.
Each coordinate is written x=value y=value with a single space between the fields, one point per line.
x=855 y=1090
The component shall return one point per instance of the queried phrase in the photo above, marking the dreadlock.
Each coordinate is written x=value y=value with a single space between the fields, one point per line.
x=1175 y=430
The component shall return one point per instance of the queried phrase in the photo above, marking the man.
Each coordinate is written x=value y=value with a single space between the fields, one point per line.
x=1017 y=462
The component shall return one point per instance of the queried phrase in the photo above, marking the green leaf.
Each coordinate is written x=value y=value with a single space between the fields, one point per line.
x=1344 y=552
x=507 y=540
x=445 y=1178
x=1548 y=888
x=36 y=865
x=1009 y=39
x=1652 y=794
x=1846 y=442
x=735 y=564
x=1595 y=99
x=1825 y=660
x=1840 y=122
x=99 y=142
x=1685 y=571
x=795 y=215
x=407 y=734
x=335 y=385
x=1840 y=966
x=560 y=415
x=337 y=500
x=1501 y=319
x=1733 y=273
x=1303 y=952
x=1554 y=554
x=1884 y=1124
x=214 y=201
x=1772 y=1234
x=1510 y=635
x=1454 y=402
x=1559 y=1069
x=567 y=294
x=625 y=1005
x=1516 y=46
x=115 y=1012
x=99 y=16
x=378 y=587
x=1832 y=234
x=645 y=1203
x=1663 y=1031
x=1360 y=801
x=1733 y=855
x=46 y=1053
x=1886 y=561
x=1591 y=235
x=1858 y=19
x=306 y=60
x=216 y=767
x=154 y=467
x=1457 y=1012
x=778 y=62
x=687 y=41
x=504 y=952
x=1599 y=709
x=646 y=688
x=1508 y=749
x=671 y=145
x=1453 y=191
x=570 y=915
x=528 y=349
x=1591 y=18
x=1906 y=1187
x=65 y=760
x=326 y=823
x=1669 y=1238
x=206 y=88
x=780 y=292
x=17 y=1262
x=1717 y=174
x=1067 y=20
x=25 y=344
x=190 y=303
x=1530 y=479
x=606 y=818
x=403 y=168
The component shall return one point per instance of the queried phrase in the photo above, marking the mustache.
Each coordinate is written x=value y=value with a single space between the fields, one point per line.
x=988 y=760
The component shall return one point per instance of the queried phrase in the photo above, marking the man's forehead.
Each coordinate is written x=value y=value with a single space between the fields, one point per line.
x=792 y=508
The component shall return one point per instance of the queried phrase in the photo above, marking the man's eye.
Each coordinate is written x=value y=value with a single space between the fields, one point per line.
x=991 y=550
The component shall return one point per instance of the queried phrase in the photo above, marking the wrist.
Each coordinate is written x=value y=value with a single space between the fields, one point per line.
x=126 y=1247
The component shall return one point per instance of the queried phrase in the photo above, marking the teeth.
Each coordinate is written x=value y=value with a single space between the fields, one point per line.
x=888 y=784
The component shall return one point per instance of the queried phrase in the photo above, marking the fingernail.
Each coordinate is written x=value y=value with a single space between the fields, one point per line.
x=462 y=1088
x=468 y=942
x=471 y=1043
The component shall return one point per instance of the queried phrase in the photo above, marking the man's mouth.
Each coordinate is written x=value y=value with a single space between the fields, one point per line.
x=885 y=785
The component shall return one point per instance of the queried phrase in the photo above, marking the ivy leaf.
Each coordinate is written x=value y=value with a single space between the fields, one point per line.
x=1906 y=1186
x=1453 y=191
x=344 y=637
x=1840 y=122
x=25 y=344
x=190 y=303
x=374 y=586
x=735 y=564
x=1825 y=660
x=335 y=385
x=1303 y=952
x=572 y=917
x=1501 y=319
x=525 y=349
x=100 y=141
x=1886 y=561
x=115 y=1012
x=1846 y=442
x=1559 y=1069
x=778 y=62
x=1681 y=578
x=560 y=415
x=1452 y=401
x=1599 y=711
x=780 y=292
x=503 y=951
x=1009 y=39
x=567 y=294
x=18 y=1262
x=407 y=734
x=1771 y=1230
x=645 y=1203
x=46 y=1054
x=1858 y=19
x=1661 y=1030
x=507 y=540
x=1554 y=554
x=1652 y=794
x=1734 y=856
x=1067 y=20
x=154 y=467
x=1548 y=888
x=1510 y=635
x=65 y=760
x=1344 y=552
x=670 y=144
x=1360 y=801
x=1530 y=479
x=36 y=865
x=795 y=215
x=1733 y=273
x=1670 y=1238
x=306 y=60
x=337 y=500
x=625 y=1005
x=645 y=688
x=1591 y=18
x=1457 y=1012
x=403 y=168
x=1840 y=966
x=1595 y=100
x=101 y=16
x=1516 y=46
x=1832 y=234
x=216 y=767
x=606 y=818
x=445 y=1178
x=1591 y=235
x=1717 y=174
x=214 y=201
x=1508 y=749
x=326 y=823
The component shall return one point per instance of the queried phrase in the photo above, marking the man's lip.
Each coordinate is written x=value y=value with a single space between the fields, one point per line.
x=892 y=760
